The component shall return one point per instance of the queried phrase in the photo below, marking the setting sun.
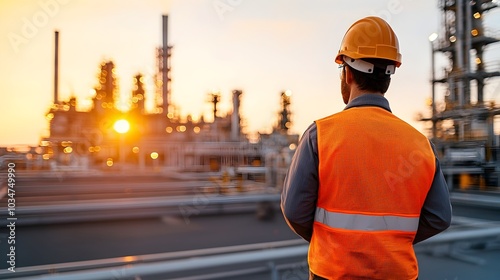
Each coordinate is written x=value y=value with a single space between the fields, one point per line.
x=121 y=126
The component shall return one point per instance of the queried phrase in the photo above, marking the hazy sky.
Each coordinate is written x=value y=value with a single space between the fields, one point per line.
x=259 y=46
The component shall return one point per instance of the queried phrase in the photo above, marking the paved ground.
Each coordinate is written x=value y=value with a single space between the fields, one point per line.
x=37 y=245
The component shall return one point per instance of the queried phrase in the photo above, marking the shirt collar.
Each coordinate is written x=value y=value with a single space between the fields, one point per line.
x=369 y=100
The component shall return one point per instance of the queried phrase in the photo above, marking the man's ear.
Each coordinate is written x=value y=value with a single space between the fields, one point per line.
x=348 y=76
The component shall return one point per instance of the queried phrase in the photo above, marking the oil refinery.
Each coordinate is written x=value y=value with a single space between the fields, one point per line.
x=153 y=194
x=462 y=125
x=105 y=138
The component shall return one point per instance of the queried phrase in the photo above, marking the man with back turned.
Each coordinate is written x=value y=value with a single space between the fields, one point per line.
x=364 y=186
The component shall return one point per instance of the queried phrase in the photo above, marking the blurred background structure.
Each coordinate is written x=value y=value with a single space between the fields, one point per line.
x=463 y=123
x=153 y=194
x=160 y=141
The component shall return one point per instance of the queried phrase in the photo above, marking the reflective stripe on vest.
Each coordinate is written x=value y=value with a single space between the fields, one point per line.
x=362 y=222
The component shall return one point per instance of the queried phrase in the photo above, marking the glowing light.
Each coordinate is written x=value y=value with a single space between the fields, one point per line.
x=292 y=146
x=477 y=15
x=196 y=129
x=288 y=93
x=49 y=116
x=68 y=150
x=433 y=37
x=478 y=60
x=129 y=258
x=91 y=149
x=453 y=39
x=97 y=148
x=181 y=128
x=66 y=143
x=154 y=155
x=109 y=162
x=121 y=126
x=135 y=150
x=46 y=156
x=169 y=129
x=170 y=115
x=474 y=32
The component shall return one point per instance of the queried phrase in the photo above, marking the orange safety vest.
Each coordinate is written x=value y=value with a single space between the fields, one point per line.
x=375 y=171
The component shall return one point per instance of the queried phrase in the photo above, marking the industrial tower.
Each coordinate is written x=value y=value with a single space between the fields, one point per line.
x=463 y=125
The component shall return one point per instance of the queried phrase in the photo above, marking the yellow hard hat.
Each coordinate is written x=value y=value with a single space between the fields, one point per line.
x=370 y=37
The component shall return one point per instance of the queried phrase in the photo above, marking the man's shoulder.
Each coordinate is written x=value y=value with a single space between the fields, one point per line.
x=329 y=117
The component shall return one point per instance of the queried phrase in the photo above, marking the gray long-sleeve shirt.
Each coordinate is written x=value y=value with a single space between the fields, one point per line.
x=300 y=190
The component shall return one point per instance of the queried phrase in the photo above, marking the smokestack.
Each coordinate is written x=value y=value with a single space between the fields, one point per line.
x=235 y=117
x=56 y=68
x=165 y=68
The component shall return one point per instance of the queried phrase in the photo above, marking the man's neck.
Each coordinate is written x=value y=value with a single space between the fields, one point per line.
x=356 y=92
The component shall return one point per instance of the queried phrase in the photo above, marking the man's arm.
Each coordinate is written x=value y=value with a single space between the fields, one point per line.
x=300 y=190
x=436 y=212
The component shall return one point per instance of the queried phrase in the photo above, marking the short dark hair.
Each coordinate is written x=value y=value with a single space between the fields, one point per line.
x=378 y=81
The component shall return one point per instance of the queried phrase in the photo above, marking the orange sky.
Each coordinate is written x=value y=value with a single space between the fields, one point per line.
x=259 y=46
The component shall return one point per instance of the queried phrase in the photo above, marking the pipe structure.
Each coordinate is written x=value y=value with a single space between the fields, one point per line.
x=459 y=57
x=235 y=117
x=56 y=68
x=165 y=67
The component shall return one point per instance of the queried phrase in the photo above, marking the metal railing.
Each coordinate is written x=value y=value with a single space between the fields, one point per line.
x=163 y=263
x=465 y=233
x=269 y=258
x=474 y=199
x=198 y=204
x=144 y=207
